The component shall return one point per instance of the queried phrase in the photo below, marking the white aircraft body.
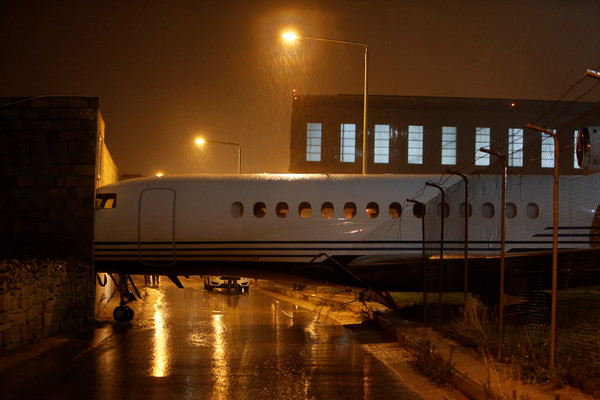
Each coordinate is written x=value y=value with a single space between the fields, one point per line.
x=253 y=225
x=337 y=229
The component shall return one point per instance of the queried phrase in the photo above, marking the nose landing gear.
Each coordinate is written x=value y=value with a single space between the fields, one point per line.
x=123 y=313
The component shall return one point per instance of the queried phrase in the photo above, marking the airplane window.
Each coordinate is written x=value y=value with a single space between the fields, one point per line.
x=511 y=210
x=419 y=210
x=282 y=210
x=372 y=210
x=304 y=209
x=260 y=209
x=327 y=210
x=461 y=210
x=106 y=200
x=532 y=210
x=350 y=210
x=395 y=210
x=237 y=209
x=446 y=210
x=487 y=210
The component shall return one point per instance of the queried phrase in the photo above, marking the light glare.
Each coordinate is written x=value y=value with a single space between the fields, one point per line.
x=290 y=36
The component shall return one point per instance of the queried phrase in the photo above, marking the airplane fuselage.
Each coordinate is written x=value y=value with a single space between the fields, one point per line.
x=333 y=229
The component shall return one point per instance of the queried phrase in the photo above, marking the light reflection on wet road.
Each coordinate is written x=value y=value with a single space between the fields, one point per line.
x=196 y=344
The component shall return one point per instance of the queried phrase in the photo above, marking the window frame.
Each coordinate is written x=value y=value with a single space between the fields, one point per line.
x=483 y=137
x=313 y=141
x=515 y=147
x=448 y=150
x=347 y=143
x=415 y=145
x=381 y=142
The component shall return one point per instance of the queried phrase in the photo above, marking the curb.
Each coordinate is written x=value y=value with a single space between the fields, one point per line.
x=469 y=387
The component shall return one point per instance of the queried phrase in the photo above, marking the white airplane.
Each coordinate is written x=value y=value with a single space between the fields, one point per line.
x=351 y=230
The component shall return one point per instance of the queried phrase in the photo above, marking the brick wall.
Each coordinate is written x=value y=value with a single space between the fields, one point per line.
x=52 y=157
x=47 y=176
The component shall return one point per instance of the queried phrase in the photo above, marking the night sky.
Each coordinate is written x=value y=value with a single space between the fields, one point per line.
x=169 y=71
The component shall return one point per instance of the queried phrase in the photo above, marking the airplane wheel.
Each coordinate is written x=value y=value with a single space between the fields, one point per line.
x=120 y=313
x=123 y=314
x=130 y=313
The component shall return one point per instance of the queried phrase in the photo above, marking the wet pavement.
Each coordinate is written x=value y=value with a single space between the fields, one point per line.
x=195 y=344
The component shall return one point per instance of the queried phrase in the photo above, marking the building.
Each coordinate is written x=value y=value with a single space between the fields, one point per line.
x=428 y=135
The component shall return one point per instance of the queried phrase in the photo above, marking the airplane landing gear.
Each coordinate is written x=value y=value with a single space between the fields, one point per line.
x=123 y=313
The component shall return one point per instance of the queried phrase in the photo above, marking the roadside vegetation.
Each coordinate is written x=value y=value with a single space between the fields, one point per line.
x=526 y=345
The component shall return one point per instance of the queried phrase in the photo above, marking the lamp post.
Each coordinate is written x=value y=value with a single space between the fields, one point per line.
x=292 y=36
x=201 y=141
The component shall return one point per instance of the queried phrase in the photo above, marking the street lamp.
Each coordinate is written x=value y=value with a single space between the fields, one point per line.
x=292 y=36
x=200 y=142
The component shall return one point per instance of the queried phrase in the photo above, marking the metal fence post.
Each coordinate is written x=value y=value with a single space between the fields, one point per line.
x=443 y=215
x=554 y=244
x=502 y=250
x=422 y=216
x=466 y=180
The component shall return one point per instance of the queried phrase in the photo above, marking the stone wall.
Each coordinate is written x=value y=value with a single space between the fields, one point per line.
x=41 y=297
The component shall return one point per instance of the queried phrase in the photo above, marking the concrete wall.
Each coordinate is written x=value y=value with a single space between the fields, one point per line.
x=52 y=158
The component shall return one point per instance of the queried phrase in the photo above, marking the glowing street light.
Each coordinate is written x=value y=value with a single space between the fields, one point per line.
x=200 y=142
x=291 y=36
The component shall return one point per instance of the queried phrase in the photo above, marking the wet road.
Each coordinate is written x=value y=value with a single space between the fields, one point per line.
x=195 y=344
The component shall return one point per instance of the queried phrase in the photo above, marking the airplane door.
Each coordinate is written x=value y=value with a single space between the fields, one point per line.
x=156 y=227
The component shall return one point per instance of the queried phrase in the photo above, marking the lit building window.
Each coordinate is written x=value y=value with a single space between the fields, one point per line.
x=313 y=141
x=415 y=144
x=347 y=142
x=515 y=147
x=448 y=145
x=575 y=165
x=482 y=139
x=382 y=144
x=548 y=151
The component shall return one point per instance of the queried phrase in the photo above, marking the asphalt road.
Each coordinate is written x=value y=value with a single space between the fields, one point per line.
x=194 y=344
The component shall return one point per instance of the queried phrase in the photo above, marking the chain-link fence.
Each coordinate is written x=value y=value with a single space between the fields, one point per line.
x=499 y=292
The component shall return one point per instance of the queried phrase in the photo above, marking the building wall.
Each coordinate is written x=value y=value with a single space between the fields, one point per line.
x=432 y=113
x=52 y=157
x=47 y=170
